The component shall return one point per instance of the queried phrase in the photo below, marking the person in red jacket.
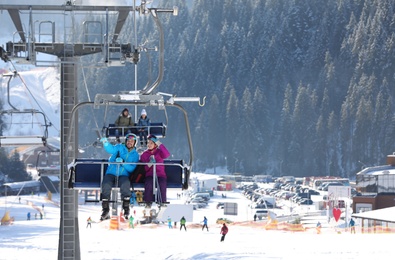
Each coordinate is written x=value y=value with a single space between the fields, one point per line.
x=154 y=156
x=224 y=231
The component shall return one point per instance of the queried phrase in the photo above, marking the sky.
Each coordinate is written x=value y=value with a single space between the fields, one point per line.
x=38 y=238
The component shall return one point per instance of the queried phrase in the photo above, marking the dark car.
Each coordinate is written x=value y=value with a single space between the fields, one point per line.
x=220 y=205
x=305 y=202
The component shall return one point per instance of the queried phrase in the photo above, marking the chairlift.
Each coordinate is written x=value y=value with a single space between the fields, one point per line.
x=87 y=173
x=12 y=141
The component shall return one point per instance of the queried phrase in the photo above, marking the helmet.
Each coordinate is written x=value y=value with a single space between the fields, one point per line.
x=131 y=136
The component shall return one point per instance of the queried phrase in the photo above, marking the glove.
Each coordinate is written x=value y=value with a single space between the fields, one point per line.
x=152 y=159
x=104 y=140
x=119 y=159
x=158 y=143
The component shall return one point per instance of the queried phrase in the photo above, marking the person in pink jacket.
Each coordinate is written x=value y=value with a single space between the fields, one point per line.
x=154 y=156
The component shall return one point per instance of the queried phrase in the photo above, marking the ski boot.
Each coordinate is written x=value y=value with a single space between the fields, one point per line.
x=105 y=210
x=126 y=207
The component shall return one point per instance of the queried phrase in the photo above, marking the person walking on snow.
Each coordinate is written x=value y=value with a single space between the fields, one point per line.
x=182 y=222
x=169 y=223
x=224 y=231
x=89 y=222
x=205 y=223
x=352 y=226
x=131 y=224
x=318 y=228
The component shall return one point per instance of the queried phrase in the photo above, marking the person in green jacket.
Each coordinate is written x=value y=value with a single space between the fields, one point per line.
x=125 y=122
x=131 y=224
x=183 y=221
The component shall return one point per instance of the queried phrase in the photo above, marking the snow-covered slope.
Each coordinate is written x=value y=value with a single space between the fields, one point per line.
x=32 y=88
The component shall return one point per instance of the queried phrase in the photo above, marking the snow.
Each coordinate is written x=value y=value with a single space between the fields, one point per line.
x=38 y=238
x=33 y=88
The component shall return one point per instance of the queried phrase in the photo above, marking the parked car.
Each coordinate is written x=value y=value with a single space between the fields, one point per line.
x=261 y=213
x=305 y=202
x=325 y=188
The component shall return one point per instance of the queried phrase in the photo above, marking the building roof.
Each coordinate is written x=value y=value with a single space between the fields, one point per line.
x=386 y=215
x=378 y=170
x=22 y=184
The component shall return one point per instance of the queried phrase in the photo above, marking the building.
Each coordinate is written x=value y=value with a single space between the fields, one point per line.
x=377 y=188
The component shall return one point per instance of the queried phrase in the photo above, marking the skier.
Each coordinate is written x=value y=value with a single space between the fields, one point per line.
x=169 y=223
x=124 y=120
x=224 y=231
x=119 y=173
x=131 y=224
x=156 y=153
x=318 y=227
x=182 y=222
x=205 y=223
x=352 y=226
x=143 y=130
x=89 y=222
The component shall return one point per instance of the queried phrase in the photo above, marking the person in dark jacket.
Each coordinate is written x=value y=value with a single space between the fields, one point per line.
x=205 y=224
x=224 y=231
x=143 y=124
x=124 y=120
x=156 y=153
x=125 y=152
x=352 y=226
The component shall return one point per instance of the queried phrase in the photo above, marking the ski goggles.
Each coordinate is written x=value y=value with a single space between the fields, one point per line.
x=131 y=137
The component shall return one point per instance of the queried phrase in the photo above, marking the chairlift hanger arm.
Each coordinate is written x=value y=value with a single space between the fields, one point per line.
x=154 y=12
x=122 y=16
x=4 y=55
x=10 y=75
x=187 y=129
x=150 y=89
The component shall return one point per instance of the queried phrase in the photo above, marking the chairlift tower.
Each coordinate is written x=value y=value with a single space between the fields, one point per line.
x=41 y=36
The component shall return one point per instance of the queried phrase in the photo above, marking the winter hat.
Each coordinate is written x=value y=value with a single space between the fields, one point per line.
x=143 y=112
x=152 y=138
x=125 y=109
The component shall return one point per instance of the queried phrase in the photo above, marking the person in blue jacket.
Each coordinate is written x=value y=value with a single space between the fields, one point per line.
x=205 y=224
x=143 y=124
x=119 y=173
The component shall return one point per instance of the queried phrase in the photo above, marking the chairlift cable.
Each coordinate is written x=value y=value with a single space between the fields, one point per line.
x=32 y=96
x=135 y=46
x=88 y=94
